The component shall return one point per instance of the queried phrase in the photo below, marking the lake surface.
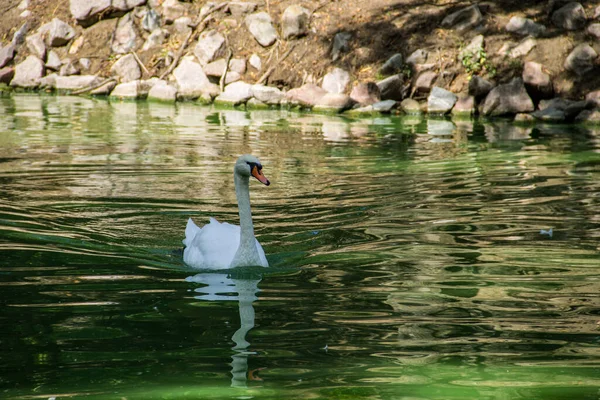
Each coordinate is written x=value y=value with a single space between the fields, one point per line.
x=410 y=258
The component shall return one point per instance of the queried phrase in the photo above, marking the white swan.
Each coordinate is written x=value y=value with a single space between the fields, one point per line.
x=222 y=245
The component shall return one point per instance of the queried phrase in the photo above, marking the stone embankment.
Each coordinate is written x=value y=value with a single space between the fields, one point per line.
x=192 y=60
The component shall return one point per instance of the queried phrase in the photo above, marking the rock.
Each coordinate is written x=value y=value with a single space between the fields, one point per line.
x=341 y=44
x=593 y=98
x=336 y=81
x=385 y=106
x=75 y=82
x=479 y=87
x=47 y=82
x=53 y=61
x=597 y=13
x=104 y=89
x=550 y=115
x=295 y=21
x=57 y=33
x=418 y=56
x=261 y=27
x=128 y=90
x=392 y=88
x=594 y=30
x=89 y=11
x=25 y=14
x=464 y=19
x=127 y=69
x=77 y=45
x=425 y=81
x=151 y=20
x=473 y=48
x=410 y=106
x=68 y=67
x=28 y=72
x=524 y=118
x=215 y=68
x=239 y=8
x=334 y=102
x=571 y=17
x=191 y=81
x=306 y=95
x=235 y=94
x=267 y=94
x=509 y=98
x=440 y=101
x=7 y=53
x=523 y=48
x=182 y=25
x=162 y=91
x=85 y=63
x=589 y=116
x=7 y=74
x=171 y=10
x=155 y=39
x=23 y=4
x=538 y=83
x=366 y=93
x=525 y=27
x=581 y=60
x=125 y=36
x=19 y=35
x=209 y=45
x=465 y=105
x=569 y=108
x=36 y=46
x=393 y=65
x=238 y=65
x=255 y=62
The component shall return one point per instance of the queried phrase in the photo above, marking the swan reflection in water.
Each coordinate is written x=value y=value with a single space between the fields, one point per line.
x=219 y=287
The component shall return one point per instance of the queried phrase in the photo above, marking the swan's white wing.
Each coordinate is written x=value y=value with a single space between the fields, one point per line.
x=212 y=246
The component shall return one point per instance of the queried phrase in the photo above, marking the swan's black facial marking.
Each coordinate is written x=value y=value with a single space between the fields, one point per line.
x=256 y=171
x=253 y=164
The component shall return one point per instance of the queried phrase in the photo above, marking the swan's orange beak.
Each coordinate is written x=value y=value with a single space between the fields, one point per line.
x=257 y=173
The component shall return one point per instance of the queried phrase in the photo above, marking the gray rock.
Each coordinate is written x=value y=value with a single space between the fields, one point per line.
x=525 y=27
x=306 y=95
x=241 y=8
x=465 y=105
x=126 y=69
x=68 y=67
x=589 y=117
x=57 y=33
x=155 y=39
x=524 y=118
x=125 y=36
x=418 y=56
x=384 y=106
x=341 y=44
x=425 y=81
x=392 y=88
x=36 y=46
x=571 y=17
x=479 y=87
x=267 y=95
x=151 y=20
x=475 y=46
x=104 y=89
x=28 y=73
x=581 y=60
x=171 y=10
x=215 y=68
x=238 y=65
x=593 y=98
x=440 y=101
x=128 y=90
x=295 y=21
x=538 y=83
x=163 y=92
x=7 y=53
x=20 y=34
x=89 y=11
x=509 y=98
x=75 y=82
x=550 y=115
x=23 y=4
x=519 y=50
x=191 y=81
x=208 y=46
x=7 y=74
x=235 y=94
x=182 y=25
x=596 y=13
x=366 y=93
x=261 y=27
x=464 y=19
x=255 y=62
x=594 y=30
x=569 y=108
x=336 y=81
x=334 y=102
x=410 y=106
x=53 y=61
x=85 y=63
x=393 y=65
x=47 y=82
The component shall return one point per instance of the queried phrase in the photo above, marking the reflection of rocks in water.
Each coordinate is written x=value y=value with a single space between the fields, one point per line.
x=495 y=132
x=221 y=287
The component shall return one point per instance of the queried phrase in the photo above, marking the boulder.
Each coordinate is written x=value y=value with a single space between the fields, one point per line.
x=334 y=102
x=215 y=68
x=385 y=106
x=589 y=117
x=509 y=98
x=418 y=56
x=261 y=27
x=90 y=11
x=182 y=25
x=7 y=53
x=7 y=74
x=209 y=44
x=156 y=38
x=19 y=35
x=267 y=94
x=85 y=63
x=336 y=81
x=171 y=10
x=392 y=88
x=255 y=62
x=465 y=105
x=295 y=21
x=550 y=114
x=393 y=65
x=238 y=65
x=306 y=95
x=127 y=90
x=525 y=27
x=104 y=89
x=53 y=61
x=341 y=44
x=151 y=20
x=523 y=48
x=410 y=106
x=479 y=87
x=569 y=108
x=68 y=67
x=473 y=48
x=235 y=94
x=464 y=19
x=36 y=46
x=56 y=33
x=366 y=93
x=126 y=69
x=440 y=101
x=75 y=82
x=163 y=92
x=581 y=60
x=425 y=81
x=28 y=73
x=537 y=81
x=191 y=80
x=570 y=17
x=125 y=36
x=593 y=98
x=241 y=8
x=594 y=30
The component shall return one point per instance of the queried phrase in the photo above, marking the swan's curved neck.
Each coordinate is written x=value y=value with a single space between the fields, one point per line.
x=242 y=192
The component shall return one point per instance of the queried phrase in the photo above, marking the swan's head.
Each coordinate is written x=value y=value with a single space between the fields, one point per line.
x=248 y=165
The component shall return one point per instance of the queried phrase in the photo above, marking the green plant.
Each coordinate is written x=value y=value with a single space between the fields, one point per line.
x=476 y=61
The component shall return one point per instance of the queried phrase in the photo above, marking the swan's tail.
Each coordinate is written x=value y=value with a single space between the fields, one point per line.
x=191 y=230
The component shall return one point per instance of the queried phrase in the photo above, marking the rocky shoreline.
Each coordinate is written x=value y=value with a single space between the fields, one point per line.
x=187 y=55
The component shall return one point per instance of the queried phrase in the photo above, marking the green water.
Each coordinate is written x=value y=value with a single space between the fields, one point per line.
x=410 y=259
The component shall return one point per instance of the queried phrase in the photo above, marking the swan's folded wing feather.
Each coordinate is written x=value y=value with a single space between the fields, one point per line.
x=214 y=245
